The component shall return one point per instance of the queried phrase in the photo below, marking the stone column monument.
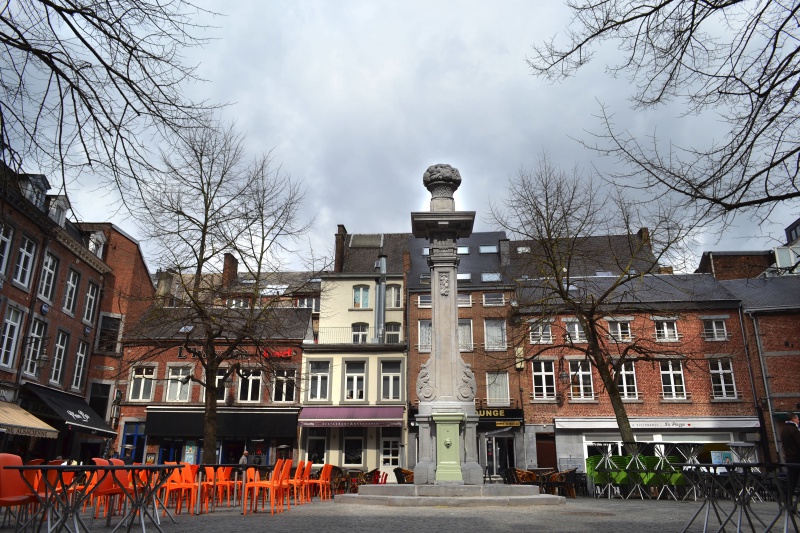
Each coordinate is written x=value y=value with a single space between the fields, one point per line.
x=447 y=418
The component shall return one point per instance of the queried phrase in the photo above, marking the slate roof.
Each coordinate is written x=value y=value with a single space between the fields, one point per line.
x=766 y=294
x=361 y=250
x=651 y=292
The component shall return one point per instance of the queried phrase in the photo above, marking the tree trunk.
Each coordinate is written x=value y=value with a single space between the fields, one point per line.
x=616 y=403
x=210 y=419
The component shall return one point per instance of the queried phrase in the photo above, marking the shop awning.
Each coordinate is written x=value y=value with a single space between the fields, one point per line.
x=15 y=420
x=688 y=423
x=352 y=416
x=231 y=423
x=73 y=410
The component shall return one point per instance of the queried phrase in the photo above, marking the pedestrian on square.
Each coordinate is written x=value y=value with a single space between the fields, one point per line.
x=790 y=440
x=243 y=460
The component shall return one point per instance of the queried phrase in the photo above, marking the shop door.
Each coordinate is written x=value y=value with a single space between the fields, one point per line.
x=390 y=456
x=499 y=455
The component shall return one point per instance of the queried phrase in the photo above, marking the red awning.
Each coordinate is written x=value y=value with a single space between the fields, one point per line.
x=351 y=416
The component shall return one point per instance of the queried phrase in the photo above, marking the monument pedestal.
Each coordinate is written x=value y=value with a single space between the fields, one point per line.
x=448 y=447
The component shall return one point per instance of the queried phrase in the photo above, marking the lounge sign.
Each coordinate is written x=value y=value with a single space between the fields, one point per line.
x=499 y=418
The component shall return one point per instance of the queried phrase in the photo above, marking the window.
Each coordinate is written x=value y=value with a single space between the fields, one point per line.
x=237 y=303
x=283 y=387
x=221 y=384
x=465 y=335
x=35 y=347
x=318 y=382
x=626 y=382
x=424 y=300
x=353 y=446
x=108 y=336
x=178 y=384
x=309 y=302
x=714 y=330
x=360 y=297
x=523 y=249
x=575 y=332
x=541 y=333
x=544 y=380
x=620 y=330
x=142 y=384
x=425 y=279
x=581 y=374
x=487 y=249
x=316 y=445
x=426 y=250
x=47 y=283
x=667 y=331
x=723 y=386
x=672 y=387
x=462 y=250
x=360 y=332
x=91 y=302
x=390 y=380
x=11 y=335
x=97 y=242
x=425 y=335
x=463 y=276
x=464 y=299
x=497 y=388
x=393 y=333
x=250 y=387
x=71 y=291
x=354 y=376
x=24 y=267
x=80 y=365
x=488 y=277
x=495 y=331
x=393 y=299
x=5 y=247
x=493 y=299
x=59 y=355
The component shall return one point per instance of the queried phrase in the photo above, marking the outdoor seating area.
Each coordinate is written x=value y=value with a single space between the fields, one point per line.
x=560 y=483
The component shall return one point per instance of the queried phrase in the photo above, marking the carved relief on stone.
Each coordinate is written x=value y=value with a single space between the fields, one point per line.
x=444 y=283
x=425 y=390
x=466 y=382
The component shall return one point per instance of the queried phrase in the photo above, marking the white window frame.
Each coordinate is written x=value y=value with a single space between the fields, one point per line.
x=574 y=332
x=620 y=330
x=35 y=345
x=465 y=339
x=581 y=384
x=494 y=331
x=176 y=390
x=541 y=333
x=626 y=381
x=9 y=342
x=92 y=292
x=425 y=336
x=394 y=296
x=284 y=385
x=491 y=277
x=723 y=382
x=715 y=329
x=143 y=381
x=464 y=299
x=391 y=380
x=316 y=435
x=23 y=270
x=497 y=389
x=487 y=249
x=60 y=350
x=355 y=381
x=360 y=332
x=494 y=299
x=672 y=388
x=220 y=384
x=543 y=372
x=462 y=250
x=6 y=237
x=463 y=276
x=71 y=291
x=319 y=381
x=250 y=385
x=80 y=365
x=348 y=438
x=667 y=330
x=393 y=335
x=424 y=301
x=361 y=297
x=47 y=280
x=309 y=302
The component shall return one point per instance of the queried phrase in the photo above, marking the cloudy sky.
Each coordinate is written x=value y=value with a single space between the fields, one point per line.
x=358 y=98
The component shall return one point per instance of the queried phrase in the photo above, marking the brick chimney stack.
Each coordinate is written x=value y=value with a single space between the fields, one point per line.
x=644 y=236
x=230 y=270
x=338 y=261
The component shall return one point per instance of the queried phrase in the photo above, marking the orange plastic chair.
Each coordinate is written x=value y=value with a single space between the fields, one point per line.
x=273 y=486
x=14 y=492
x=108 y=490
x=285 y=489
x=300 y=482
x=323 y=483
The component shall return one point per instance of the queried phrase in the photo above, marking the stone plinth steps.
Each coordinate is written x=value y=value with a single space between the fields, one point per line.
x=449 y=496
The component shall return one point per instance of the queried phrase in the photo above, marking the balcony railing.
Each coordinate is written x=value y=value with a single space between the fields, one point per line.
x=367 y=335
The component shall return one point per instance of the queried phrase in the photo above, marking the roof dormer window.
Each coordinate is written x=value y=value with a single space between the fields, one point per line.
x=97 y=242
x=34 y=187
x=57 y=209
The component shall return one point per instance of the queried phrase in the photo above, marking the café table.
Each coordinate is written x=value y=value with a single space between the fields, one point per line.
x=147 y=480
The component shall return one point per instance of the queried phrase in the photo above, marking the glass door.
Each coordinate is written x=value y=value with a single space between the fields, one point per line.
x=499 y=455
x=390 y=453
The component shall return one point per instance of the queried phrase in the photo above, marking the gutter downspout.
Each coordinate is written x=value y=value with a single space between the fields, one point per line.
x=766 y=382
x=762 y=433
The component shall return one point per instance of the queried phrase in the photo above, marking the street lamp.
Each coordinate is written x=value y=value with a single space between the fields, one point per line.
x=115 y=408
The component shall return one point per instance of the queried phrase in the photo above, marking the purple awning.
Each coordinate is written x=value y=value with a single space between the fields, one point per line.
x=351 y=416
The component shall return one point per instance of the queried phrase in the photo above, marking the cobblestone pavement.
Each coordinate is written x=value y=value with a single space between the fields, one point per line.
x=582 y=514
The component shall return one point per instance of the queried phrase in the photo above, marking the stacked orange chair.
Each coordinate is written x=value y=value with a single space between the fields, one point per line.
x=273 y=486
x=323 y=483
x=14 y=492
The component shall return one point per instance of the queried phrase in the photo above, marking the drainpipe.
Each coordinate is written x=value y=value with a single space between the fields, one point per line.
x=762 y=435
x=766 y=382
x=380 y=300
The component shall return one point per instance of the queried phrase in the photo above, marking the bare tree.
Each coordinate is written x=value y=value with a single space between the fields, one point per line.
x=738 y=59
x=87 y=85
x=580 y=260
x=212 y=206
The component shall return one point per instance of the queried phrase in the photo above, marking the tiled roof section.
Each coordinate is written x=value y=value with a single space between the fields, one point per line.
x=765 y=294
x=173 y=323
x=282 y=282
x=362 y=250
x=651 y=292
x=584 y=256
x=473 y=263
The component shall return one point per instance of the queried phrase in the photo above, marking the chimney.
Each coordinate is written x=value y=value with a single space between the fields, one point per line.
x=163 y=285
x=644 y=236
x=505 y=253
x=338 y=261
x=230 y=270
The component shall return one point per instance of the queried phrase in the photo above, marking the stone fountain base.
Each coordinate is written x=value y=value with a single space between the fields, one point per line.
x=449 y=496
